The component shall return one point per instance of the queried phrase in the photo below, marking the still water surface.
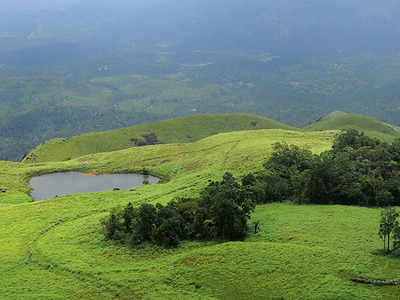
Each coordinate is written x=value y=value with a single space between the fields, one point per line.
x=52 y=185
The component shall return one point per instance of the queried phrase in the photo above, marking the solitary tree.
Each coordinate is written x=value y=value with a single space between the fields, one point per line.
x=388 y=225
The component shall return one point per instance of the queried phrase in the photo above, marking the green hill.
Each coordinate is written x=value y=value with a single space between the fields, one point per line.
x=192 y=128
x=55 y=249
x=340 y=120
x=177 y=130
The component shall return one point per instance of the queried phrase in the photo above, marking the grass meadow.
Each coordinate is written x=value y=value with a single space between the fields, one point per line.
x=55 y=249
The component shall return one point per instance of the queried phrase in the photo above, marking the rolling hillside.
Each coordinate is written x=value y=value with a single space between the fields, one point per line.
x=55 y=249
x=192 y=128
x=42 y=243
x=340 y=120
x=178 y=130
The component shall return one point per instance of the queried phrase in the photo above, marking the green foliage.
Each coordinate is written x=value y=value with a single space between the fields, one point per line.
x=353 y=139
x=227 y=207
x=286 y=174
x=388 y=226
x=146 y=181
x=146 y=140
x=359 y=170
x=286 y=160
x=221 y=212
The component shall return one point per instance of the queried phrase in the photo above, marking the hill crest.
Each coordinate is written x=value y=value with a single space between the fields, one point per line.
x=193 y=128
x=339 y=120
x=177 y=130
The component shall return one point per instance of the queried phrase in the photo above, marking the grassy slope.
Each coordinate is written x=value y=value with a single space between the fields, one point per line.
x=195 y=127
x=178 y=130
x=55 y=250
x=340 y=120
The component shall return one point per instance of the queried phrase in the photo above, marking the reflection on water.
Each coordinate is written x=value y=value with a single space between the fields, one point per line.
x=58 y=184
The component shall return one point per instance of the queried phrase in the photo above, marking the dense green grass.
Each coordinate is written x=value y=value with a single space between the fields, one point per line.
x=56 y=250
x=339 y=120
x=178 y=130
x=194 y=127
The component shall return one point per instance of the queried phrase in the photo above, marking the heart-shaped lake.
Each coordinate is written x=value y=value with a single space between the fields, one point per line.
x=52 y=185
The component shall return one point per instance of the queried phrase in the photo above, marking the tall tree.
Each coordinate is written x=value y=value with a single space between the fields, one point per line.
x=388 y=225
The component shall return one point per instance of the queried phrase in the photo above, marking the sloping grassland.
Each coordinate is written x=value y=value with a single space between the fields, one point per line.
x=339 y=120
x=192 y=128
x=177 y=130
x=55 y=249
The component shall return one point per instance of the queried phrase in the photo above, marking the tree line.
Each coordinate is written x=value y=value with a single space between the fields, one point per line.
x=358 y=170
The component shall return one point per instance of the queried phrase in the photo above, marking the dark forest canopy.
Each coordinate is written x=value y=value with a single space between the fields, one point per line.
x=358 y=170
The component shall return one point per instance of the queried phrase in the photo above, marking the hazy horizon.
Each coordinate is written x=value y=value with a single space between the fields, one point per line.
x=312 y=26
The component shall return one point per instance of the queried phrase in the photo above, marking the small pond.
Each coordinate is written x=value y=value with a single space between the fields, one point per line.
x=52 y=185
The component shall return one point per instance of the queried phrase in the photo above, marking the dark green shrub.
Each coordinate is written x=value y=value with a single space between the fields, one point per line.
x=221 y=213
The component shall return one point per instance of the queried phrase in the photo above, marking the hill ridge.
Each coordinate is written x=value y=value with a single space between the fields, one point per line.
x=195 y=127
x=177 y=130
x=339 y=120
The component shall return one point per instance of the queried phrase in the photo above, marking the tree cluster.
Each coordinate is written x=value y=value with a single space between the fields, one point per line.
x=358 y=170
x=220 y=213
x=146 y=140
x=389 y=229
